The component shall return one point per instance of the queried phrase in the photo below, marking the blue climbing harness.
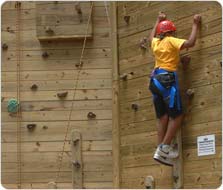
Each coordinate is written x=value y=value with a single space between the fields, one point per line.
x=167 y=93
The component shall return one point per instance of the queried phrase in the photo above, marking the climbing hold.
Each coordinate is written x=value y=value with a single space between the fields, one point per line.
x=79 y=64
x=78 y=8
x=13 y=106
x=76 y=164
x=4 y=46
x=127 y=19
x=91 y=115
x=34 y=87
x=18 y=4
x=45 y=54
x=75 y=142
x=190 y=93
x=149 y=182
x=79 y=11
x=175 y=178
x=49 y=30
x=45 y=127
x=143 y=44
x=31 y=127
x=135 y=106
x=221 y=63
x=124 y=76
x=3 y=99
x=62 y=94
x=52 y=185
x=185 y=59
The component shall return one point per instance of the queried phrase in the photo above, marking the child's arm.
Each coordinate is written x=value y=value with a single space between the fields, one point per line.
x=192 y=39
x=160 y=17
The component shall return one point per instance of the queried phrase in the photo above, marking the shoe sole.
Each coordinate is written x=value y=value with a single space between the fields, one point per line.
x=156 y=159
x=161 y=153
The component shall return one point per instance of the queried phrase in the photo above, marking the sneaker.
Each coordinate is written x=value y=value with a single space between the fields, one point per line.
x=167 y=151
x=163 y=160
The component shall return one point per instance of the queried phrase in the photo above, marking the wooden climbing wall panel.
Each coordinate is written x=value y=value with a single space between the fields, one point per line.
x=63 y=20
x=203 y=114
x=41 y=147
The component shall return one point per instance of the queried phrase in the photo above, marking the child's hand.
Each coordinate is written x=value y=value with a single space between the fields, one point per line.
x=197 y=19
x=161 y=16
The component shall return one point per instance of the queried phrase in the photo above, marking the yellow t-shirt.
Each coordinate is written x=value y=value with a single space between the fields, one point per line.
x=167 y=52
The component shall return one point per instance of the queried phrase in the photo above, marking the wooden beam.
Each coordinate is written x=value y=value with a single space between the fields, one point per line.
x=77 y=168
x=115 y=99
x=178 y=164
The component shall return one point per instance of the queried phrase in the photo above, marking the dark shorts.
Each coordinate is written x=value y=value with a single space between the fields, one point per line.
x=162 y=105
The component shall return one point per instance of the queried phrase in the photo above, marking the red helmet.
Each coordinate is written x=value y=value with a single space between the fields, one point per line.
x=165 y=26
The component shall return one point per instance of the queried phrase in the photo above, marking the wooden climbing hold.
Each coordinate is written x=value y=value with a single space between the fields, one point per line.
x=34 y=87
x=135 y=106
x=149 y=182
x=91 y=115
x=45 y=54
x=124 y=76
x=143 y=44
x=49 y=30
x=190 y=93
x=4 y=46
x=62 y=94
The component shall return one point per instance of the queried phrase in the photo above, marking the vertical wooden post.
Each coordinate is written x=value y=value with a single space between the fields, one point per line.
x=76 y=160
x=178 y=164
x=115 y=98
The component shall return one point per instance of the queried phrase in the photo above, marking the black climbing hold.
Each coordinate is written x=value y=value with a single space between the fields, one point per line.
x=34 y=87
x=91 y=115
x=143 y=44
x=135 y=106
x=127 y=19
x=45 y=127
x=78 y=9
x=175 y=178
x=148 y=187
x=124 y=76
x=49 y=30
x=62 y=94
x=45 y=54
x=221 y=63
x=4 y=46
x=76 y=164
x=190 y=93
x=31 y=127
x=75 y=142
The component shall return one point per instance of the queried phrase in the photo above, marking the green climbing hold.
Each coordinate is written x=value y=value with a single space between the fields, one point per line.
x=13 y=105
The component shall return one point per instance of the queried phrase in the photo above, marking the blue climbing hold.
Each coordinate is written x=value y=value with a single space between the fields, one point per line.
x=13 y=105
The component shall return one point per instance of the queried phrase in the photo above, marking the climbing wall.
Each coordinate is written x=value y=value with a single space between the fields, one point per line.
x=138 y=135
x=49 y=67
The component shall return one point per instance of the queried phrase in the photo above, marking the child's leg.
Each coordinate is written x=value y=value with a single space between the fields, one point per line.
x=162 y=124
x=173 y=125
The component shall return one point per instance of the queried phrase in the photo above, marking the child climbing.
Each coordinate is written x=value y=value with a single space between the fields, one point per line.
x=164 y=83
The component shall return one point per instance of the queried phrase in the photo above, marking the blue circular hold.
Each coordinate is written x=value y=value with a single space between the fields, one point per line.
x=13 y=105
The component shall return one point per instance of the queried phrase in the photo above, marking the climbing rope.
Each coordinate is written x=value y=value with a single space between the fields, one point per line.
x=74 y=93
x=18 y=118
